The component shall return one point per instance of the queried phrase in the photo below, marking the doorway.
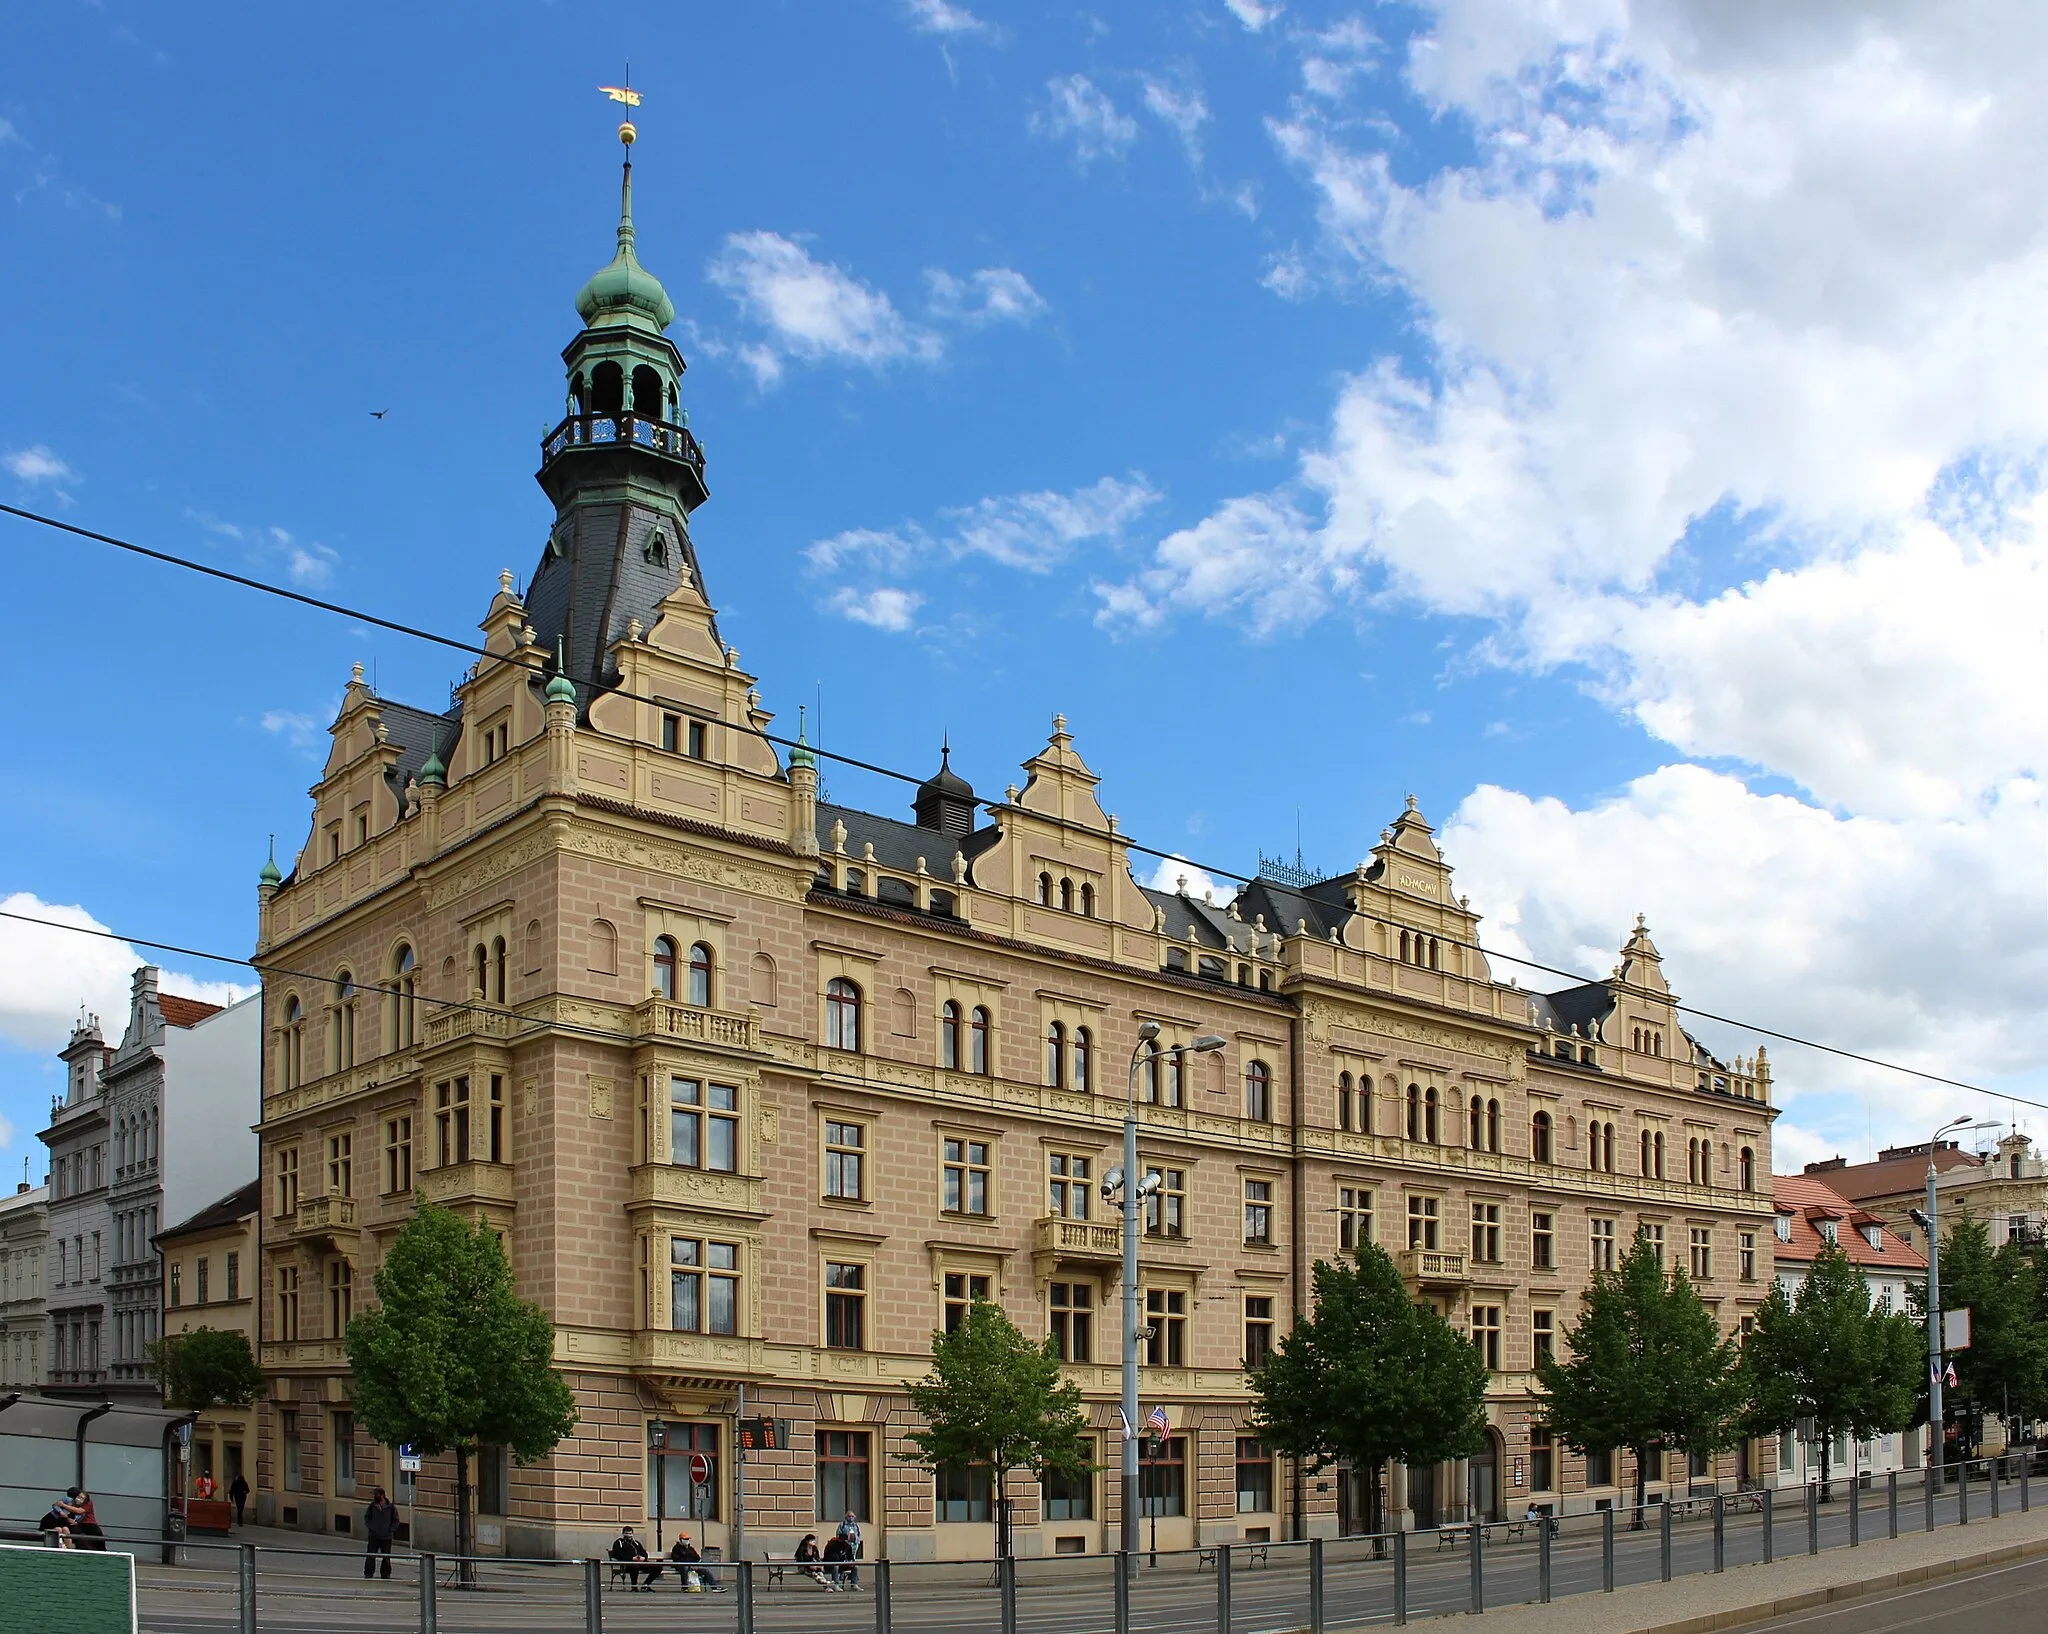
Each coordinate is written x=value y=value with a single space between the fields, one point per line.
x=1354 y=1502
x=1485 y=1468
x=1422 y=1496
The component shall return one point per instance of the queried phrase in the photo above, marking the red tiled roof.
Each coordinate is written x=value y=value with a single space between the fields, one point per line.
x=1809 y=1200
x=1894 y=1177
x=183 y=1012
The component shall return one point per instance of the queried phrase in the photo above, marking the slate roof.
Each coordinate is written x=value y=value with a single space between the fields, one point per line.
x=184 y=1012
x=1810 y=1202
x=1584 y=1007
x=898 y=845
x=416 y=732
x=242 y=1201
x=1894 y=1177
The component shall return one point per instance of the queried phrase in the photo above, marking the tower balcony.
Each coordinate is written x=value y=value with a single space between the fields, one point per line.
x=1079 y=1241
x=610 y=432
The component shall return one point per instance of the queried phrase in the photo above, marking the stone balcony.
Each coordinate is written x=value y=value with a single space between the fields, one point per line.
x=473 y=1020
x=688 y=1023
x=1434 y=1268
x=1093 y=1241
x=455 y=1185
x=324 y=1218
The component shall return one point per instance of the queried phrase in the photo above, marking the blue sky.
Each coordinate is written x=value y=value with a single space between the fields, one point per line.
x=1620 y=430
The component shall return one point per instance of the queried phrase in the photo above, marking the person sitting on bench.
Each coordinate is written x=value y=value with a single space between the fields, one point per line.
x=626 y=1548
x=690 y=1565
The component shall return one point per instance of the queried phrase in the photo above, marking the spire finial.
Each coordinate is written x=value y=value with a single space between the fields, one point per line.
x=561 y=689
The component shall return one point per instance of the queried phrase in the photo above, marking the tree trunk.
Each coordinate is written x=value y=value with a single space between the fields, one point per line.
x=466 y=1569
x=1002 y=1511
x=1375 y=1510
x=1827 y=1447
x=1642 y=1488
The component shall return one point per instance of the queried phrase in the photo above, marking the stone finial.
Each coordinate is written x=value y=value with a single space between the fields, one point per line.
x=1301 y=927
x=632 y=629
x=867 y=851
x=838 y=838
x=1259 y=920
x=959 y=868
x=732 y=657
x=1112 y=823
x=1410 y=800
x=1158 y=918
x=1386 y=836
x=753 y=697
x=355 y=675
x=1180 y=885
x=1234 y=914
x=921 y=874
x=383 y=733
x=1334 y=941
x=1059 y=726
x=505 y=580
x=528 y=636
x=1010 y=793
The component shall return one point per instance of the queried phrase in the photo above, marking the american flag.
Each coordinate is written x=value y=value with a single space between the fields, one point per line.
x=1156 y=1419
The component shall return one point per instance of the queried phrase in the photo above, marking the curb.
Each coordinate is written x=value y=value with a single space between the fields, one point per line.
x=1787 y=1604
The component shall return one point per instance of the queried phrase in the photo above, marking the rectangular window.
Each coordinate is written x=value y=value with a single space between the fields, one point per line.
x=199 y=1270
x=693 y=741
x=1254 y=1477
x=671 y=732
x=1702 y=1265
x=845 y=1306
x=177 y=1284
x=494 y=1150
x=1654 y=1236
x=1163 y=1475
x=288 y=1181
x=1602 y=1242
x=1072 y=1309
x=845 y=1154
x=1599 y=1469
x=1166 y=1311
x=1071 y=1497
x=341 y=1165
x=344 y=1428
x=704 y=1286
x=234 y=1274
x=451 y=1122
x=397 y=1154
x=1486 y=1335
x=1486 y=1233
x=1422 y=1222
x=493 y=1480
x=964 y=1493
x=288 y=1436
x=340 y=1297
x=1542 y=1243
x=1166 y=1208
x=287 y=1303
x=1258 y=1211
x=1068 y=1174
x=1543 y=1326
x=1542 y=1459
x=843 y=1474
x=1354 y=1218
x=1258 y=1330
x=1746 y=1252
x=962 y=1289
x=703 y=1125
x=966 y=1177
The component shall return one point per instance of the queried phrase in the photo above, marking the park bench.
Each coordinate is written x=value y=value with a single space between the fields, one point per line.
x=1251 y=1554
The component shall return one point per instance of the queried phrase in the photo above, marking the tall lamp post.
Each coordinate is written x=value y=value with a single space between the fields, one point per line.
x=1133 y=1192
x=1930 y=1222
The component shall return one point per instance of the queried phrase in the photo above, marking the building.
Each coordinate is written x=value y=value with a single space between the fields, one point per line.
x=211 y=1280
x=182 y=1102
x=2005 y=1189
x=24 y=1295
x=80 y=1225
x=1810 y=1214
x=761 y=1091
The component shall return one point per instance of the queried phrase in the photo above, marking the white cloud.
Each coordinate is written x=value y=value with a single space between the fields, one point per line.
x=47 y=976
x=945 y=19
x=302 y=732
x=887 y=607
x=1081 y=114
x=1234 y=560
x=36 y=465
x=1254 y=14
x=1036 y=531
x=812 y=310
x=992 y=295
x=1177 y=874
x=1182 y=108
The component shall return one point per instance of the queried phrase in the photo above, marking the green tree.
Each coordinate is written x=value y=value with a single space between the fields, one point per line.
x=1370 y=1375
x=2005 y=1368
x=995 y=1400
x=1647 y=1368
x=1829 y=1357
x=204 y=1368
x=451 y=1359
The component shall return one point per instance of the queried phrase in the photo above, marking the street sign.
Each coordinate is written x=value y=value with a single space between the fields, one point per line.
x=1955 y=1330
x=763 y=1434
x=700 y=1469
x=408 y=1463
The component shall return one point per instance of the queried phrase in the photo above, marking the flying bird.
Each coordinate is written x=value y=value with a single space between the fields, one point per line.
x=378 y=414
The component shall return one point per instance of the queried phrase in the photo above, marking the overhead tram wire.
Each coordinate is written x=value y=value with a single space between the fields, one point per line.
x=170 y=559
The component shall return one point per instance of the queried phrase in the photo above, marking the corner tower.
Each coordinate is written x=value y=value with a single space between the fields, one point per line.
x=622 y=468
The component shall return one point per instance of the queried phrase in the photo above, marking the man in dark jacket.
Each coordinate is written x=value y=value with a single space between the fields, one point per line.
x=238 y=1490
x=380 y=1526
x=626 y=1549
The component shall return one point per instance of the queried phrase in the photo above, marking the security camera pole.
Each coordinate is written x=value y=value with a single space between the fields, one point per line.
x=1132 y=1199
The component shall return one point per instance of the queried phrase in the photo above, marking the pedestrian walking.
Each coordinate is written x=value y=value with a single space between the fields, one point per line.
x=380 y=1526
x=238 y=1489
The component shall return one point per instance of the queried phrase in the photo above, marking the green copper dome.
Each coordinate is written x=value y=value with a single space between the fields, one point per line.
x=561 y=690
x=269 y=874
x=623 y=286
x=432 y=772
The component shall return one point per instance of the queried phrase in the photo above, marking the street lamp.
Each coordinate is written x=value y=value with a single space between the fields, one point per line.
x=1132 y=1194
x=1930 y=1223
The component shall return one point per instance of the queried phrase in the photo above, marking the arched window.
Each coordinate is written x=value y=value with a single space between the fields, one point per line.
x=579 y=394
x=1084 y=1059
x=292 y=1045
x=1493 y=1126
x=646 y=393
x=405 y=989
x=1657 y=1044
x=1540 y=1138
x=498 y=970
x=344 y=1021
x=1415 y=1112
x=1404 y=948
x=1430 y=1132
x=1343 y=1100
x=1478 y=1123
x=761 y=981
x=700 y=975
x=1432 y=953
x=665 y=968
x=604 y=947
x=1607 y=1147
x=1056 y=1055
x=1258 y=1092
x=1045 y=890
x=607 y=388
x=1087 y=900
x=1745 y=1169
x=1175 y=1074
x=1636 y=1040
x=1066 y=896
x=1646 y=1151
x=1657 y=1154
x=842 y=1014
x=1148 y=1074
x=482 y=983
x=949 y=1036
x=977 y=1040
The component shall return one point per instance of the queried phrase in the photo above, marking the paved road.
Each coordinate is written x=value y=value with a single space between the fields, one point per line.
x=324 y=1593
x=1992 y=1601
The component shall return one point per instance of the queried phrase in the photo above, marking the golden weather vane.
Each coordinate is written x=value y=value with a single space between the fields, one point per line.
x=631 y=98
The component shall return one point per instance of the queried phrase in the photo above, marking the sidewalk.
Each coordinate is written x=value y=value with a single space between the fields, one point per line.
x=1747 y=1594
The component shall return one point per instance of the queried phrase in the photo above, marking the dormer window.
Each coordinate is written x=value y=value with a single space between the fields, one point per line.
x=1784 y=1228
x=1827 y=1230
x=656 y=548
x=1874 y=1235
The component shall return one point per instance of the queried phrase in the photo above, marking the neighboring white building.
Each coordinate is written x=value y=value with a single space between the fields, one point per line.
x=24 y=1306
x=1811 y=1214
